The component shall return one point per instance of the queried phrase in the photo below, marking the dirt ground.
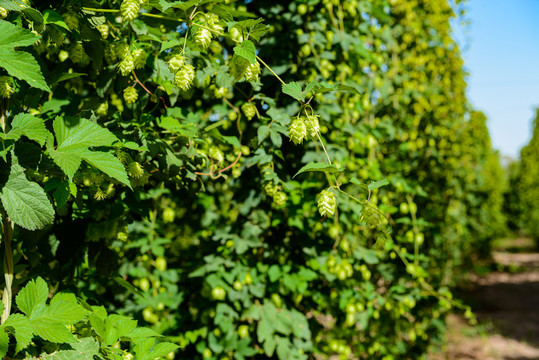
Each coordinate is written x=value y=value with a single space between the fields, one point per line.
x=506 y=303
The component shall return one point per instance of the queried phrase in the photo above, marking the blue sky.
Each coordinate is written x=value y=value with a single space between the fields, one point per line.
x=500 y=47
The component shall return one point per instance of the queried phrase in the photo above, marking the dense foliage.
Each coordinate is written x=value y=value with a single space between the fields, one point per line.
x=261 y=179
x=522 y=195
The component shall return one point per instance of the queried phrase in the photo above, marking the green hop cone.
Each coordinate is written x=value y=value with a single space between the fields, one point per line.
x=279 y=199
x=3 y=13
x=102 y=109
x=71 y=20
x=270 y=189
x=203 y=38
x=5 y=87
x=76 y=52
x=103 y=30
x=130 y=9
x=135 y=170
x=121 y=50
x=168 y=215
x=139 y=58
x=212 y=20
x=110 y=54
x=297 y=131
x=313 y=125
x=216 y=154
x=327 y=203
x=175 y=62
x=252 y=71
x=249 y=109
x=130 y=95
x=184 y=77
x=126 y=65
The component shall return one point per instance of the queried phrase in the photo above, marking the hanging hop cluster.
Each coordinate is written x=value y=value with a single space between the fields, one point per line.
x=103 y=30
x=327 y=203
x=71 y=20
x=249 y=109
x=184 y=77
x=5 y=87
x=252 y=71
x=139 y=58
x=130 y=95
x=297 y=130
x=204 y=36
x=313 y=125
x=130 y=9
x=175 y=62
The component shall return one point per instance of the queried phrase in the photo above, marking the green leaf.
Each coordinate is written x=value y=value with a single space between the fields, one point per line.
x=312 y=166
x=4 y=342
x=160 y=350
x=357 y=182
x=51 y=330
x=23 y=66
x=246 y=50
x=52 y=17
x=19 y=326
x=294 y=89
x=34 y=294
x=31 y=127
x=107 y=163
x=25 y=202
x=142 y=333
x=12 y=36
x=74 y=133
x=377 y=184
x=142 y=348
x=123 y=324
x=232 y=140
x=67 y=312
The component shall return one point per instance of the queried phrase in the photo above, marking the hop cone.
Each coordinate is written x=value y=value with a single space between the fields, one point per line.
x=203 y=38
x=184 y=77
x=313 y=125
x=252 y=71
x=3 y=13
x=130 y=9
x=126 y=65
x=135 y=170
x=175 y=62
x=71 y=20
x=139 y=57
x=5 y=87
x=76 y=53
x=121 y=50
x=327 y=203
x=279 y=198
x=110 y=55
x=297 y=131
x=249 y=109
x=130 y=95
x=104 y=30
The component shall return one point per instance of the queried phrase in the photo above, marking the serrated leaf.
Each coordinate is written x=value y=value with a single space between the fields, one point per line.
x=80 y=133
x=33 y=295
x=51 y=330
x=160 y=350
x=98 y=325
x=142 y=333
x=25 y=202
x=4 y=342
x=312 y=166
x=123 y=324
x=107 y=163
x=67 y=312
x=357 y=182
x=142 y=348
x=23 y=66
x=12 y=35
x=294 y=89
x=52 y=17
x=262 y=133
x=246 y=50
x=31 y=127
x=377 y=184
x=21 y=330
x=232 y=140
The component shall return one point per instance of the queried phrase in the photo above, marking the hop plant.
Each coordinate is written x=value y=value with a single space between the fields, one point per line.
x=270 y=189
x=139 y=57
x=237 y=66
x=126 y=65
x=135 y=170
x=252 y=71
x=216 y=154
x=71 y=20
x=104 y=30
x=313 y=125
x=168 y=215
x=100 y=194
x=279 y=199
x=130 y=95
x=249 y=109
x=327 y=203
x=212 y=20
x=297 y=131
x=184 y=77
x=176 y=62
x=203 y=38
x=76 y=52
x=3 y=13
x=5 y=87
x=130 y=9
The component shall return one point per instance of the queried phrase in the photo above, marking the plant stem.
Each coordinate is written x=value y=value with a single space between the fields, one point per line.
x=270 y=69
x=8 y=265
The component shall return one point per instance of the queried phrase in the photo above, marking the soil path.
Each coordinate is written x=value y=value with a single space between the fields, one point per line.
x=506 y=303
